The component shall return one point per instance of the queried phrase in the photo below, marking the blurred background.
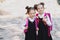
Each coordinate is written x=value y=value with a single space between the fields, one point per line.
x=12 y=17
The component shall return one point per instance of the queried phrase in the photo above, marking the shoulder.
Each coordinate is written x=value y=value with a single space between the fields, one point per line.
x=26 y=19
x=47 y=13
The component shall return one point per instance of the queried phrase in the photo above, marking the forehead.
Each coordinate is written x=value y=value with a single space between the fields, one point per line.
x=39 y=6
x=32 y=11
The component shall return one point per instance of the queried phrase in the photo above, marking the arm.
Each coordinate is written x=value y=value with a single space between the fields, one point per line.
x=49 y=22
x=47 y=19
x=26 y=23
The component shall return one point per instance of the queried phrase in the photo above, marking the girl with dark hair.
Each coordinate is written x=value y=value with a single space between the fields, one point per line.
x=30 y=28
x=44 y=24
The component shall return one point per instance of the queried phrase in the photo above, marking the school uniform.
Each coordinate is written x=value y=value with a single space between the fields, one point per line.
x=31 y=31
x=44 y=28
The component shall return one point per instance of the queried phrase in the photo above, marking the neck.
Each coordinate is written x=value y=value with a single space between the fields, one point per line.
x=31 y=17
x=40 y=13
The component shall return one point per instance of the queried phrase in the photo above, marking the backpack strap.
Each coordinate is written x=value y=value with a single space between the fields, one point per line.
x=50 y=27
x=36 y=22
x=48 y=16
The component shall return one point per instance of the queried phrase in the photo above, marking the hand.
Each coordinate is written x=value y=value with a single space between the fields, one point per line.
x=37 y=29
x=44 y=20
x=25 y=30
x=26 y=27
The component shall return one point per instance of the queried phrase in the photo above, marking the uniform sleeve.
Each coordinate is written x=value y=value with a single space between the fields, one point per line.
x=49 y=20
x=26 y=22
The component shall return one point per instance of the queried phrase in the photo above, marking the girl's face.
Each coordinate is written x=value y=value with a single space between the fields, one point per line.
x=31 y=13
x=40 y=9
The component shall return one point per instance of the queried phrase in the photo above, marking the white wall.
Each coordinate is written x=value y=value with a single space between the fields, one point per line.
x=17 y=7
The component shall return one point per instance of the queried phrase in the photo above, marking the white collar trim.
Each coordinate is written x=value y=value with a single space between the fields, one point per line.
x=41 y=16
x=31 y=19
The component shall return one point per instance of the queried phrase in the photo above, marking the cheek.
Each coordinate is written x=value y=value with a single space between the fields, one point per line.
x=38 y=10
x=42 y=9
x=33 y=14
x=30 y=15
